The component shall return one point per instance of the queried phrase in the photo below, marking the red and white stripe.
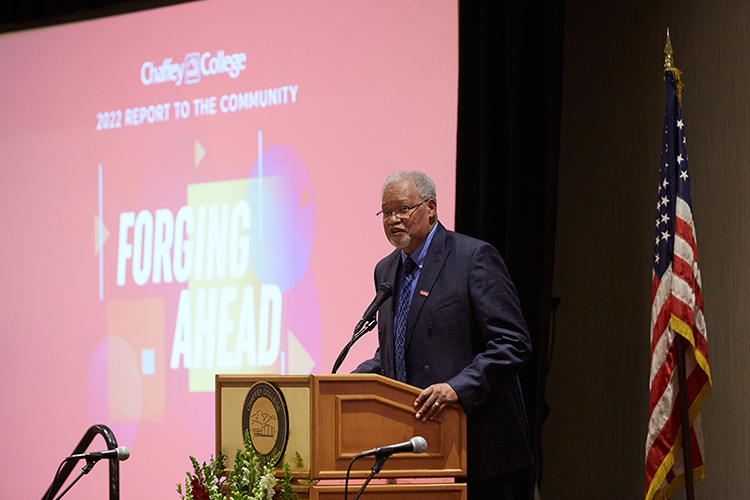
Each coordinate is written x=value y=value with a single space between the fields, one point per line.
x=676 y=309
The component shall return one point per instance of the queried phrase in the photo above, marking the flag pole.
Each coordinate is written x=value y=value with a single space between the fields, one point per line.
x=680 y=345
x=684 y=417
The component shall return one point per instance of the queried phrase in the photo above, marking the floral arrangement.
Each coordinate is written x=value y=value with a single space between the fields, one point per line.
x=252 y=478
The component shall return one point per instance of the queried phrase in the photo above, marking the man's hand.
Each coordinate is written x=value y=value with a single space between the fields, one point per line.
x=432 y=400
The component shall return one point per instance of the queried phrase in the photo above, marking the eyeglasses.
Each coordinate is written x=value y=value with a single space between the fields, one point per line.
x=402 y=212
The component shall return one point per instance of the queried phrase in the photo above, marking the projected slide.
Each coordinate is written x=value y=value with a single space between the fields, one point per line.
x=190 y=191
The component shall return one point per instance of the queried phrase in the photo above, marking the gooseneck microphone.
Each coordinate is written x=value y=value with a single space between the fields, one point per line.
x=367 y=323
x=417 y=444
x=121 y=453
x=385 y=290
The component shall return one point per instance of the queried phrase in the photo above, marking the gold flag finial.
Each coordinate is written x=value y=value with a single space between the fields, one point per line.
x=668 y=59
x=669 y=66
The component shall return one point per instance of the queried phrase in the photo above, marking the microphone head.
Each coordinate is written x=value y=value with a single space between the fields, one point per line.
x=420 y=444
x=385 y=289
x=123 y=453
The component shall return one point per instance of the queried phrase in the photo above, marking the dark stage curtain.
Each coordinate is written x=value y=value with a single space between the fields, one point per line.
x=509 y=103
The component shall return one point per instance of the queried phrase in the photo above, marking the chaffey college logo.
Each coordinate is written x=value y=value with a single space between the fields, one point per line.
x=266 y=418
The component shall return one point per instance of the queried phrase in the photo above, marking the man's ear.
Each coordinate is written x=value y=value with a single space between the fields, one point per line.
x=432 y=206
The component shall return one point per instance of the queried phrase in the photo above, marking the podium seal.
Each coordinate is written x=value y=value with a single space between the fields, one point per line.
x=266 y=418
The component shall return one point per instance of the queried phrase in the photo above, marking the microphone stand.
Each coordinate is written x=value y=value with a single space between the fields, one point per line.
x=357 y=335
x=379 y=461
x=90 y=462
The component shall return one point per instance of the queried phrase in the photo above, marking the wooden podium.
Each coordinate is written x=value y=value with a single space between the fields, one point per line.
x=334 y=417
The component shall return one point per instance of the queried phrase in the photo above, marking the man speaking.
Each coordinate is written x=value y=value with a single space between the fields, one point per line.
x=453 y=328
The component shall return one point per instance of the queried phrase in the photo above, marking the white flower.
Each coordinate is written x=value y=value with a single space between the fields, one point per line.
x=267 y=482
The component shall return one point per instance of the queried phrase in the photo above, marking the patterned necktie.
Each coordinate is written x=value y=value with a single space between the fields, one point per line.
x=404 y=300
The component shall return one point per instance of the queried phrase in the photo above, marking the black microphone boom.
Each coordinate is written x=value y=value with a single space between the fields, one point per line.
x=367 y=323
x=385 y=290
x=120 y=453
x=417 y=444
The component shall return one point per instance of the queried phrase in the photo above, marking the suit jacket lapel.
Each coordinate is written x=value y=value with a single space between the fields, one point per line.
x=428 y=275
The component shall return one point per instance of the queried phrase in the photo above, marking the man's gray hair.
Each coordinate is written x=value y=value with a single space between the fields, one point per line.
x=425 y=186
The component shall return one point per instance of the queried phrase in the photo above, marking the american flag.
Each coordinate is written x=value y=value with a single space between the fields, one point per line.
x=676 y=309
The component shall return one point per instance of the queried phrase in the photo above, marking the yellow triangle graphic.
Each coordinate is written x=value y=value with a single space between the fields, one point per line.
x=200 y=152
x=105 y=231
x=300 y=362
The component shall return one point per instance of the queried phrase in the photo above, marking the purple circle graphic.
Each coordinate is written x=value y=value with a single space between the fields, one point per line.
x=282 y=227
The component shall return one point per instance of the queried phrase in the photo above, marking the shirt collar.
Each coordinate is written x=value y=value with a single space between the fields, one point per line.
x=420 y=253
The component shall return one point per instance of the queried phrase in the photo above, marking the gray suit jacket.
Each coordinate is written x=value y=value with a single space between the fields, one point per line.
x=465 y=328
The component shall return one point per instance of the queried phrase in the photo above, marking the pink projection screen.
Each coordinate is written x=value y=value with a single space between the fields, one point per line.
x=192 y=190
